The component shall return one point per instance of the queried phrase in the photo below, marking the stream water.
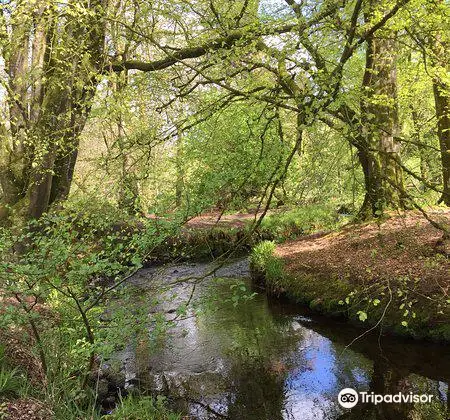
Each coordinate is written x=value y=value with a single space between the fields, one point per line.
x=240 y=355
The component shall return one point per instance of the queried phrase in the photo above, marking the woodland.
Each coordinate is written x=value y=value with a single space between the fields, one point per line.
x=134 y=132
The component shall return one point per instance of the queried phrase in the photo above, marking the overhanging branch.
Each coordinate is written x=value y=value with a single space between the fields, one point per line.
x=225 y=42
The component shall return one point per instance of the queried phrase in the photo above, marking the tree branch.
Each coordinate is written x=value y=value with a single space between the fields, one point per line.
x=226 y=42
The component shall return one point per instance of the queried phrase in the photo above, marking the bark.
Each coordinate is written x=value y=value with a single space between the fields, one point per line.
x=373 y=197
x=438 y=43
x=64 y=167
x=377 y=148
x=53 y=66
x=13 y=165
x=442 y=104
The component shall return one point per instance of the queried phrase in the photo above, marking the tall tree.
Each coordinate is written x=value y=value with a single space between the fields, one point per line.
x=441 y=88
x=53 y=55
x=379 y=152
x=430 y=30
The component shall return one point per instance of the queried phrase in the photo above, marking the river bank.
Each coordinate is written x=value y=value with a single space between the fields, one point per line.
x=392 y=274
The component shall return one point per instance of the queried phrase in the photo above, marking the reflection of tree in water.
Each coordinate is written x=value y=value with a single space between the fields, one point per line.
x=256 y=347
x=388 y=379
x=258 y=388
x=256 y=342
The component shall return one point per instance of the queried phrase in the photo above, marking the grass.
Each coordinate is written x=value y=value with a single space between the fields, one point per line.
x=143 y=408
x=12 y=381
x=301 y=221
x=62 y=399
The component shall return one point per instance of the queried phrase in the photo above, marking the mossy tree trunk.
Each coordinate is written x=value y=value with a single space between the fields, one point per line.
x=378 y=149
x=442 y=102
x=53 y=63
x=441 y=89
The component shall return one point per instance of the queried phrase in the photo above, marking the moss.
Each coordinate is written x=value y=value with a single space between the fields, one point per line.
x=338 y=296
x=199 y=244
x=267 y=269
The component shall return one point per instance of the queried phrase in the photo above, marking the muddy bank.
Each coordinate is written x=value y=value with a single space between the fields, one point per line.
x=393 y=275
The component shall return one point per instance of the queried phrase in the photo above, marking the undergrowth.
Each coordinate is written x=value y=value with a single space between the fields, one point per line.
x=300 y=221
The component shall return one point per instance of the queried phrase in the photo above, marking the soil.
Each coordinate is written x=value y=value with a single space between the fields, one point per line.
x=403 y=245
x=217 y=219
x=26 y=409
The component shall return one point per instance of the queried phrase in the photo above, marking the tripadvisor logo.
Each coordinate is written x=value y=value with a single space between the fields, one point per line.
x=348 y=398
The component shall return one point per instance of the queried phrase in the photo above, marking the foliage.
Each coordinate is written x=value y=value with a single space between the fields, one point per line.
x=66 y=271
x=266 y=263
x=301 y=221
x=251 y=155
x=142 y=408
x=11 y=380
x=122 y=119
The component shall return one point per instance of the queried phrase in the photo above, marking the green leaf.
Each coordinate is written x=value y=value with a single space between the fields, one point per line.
x=362 y=315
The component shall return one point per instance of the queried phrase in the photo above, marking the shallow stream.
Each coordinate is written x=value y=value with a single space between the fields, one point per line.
x=235 y=353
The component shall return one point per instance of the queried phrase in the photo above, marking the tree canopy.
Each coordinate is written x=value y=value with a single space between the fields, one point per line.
x=144 y=79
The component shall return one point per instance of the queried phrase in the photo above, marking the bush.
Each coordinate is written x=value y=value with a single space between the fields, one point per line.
x=11 y=380
x=57 y=277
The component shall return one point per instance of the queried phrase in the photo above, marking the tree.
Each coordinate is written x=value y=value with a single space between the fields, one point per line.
x=68 y=57
x=379 y=152
x=53 y=56
x=440 y=45
x=430 y=33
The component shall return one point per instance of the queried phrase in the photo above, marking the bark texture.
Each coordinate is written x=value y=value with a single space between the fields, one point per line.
x=378 y=149
x=53 y=63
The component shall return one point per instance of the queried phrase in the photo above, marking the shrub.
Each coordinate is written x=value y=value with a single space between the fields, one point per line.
x=11 y=380
x=300 y=221
x=265 y=265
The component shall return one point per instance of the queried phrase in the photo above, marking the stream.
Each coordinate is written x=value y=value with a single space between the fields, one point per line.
x=235 y=353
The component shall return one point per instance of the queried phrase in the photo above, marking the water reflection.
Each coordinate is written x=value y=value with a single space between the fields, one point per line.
x=262 y=359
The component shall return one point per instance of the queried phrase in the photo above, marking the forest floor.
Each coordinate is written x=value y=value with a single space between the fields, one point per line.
x=403 y=245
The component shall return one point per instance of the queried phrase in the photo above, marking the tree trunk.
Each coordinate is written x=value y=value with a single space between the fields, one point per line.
x=378 y=150
x=438 y=44
x=61 y=60
x=372 y=204
x=442 y=105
